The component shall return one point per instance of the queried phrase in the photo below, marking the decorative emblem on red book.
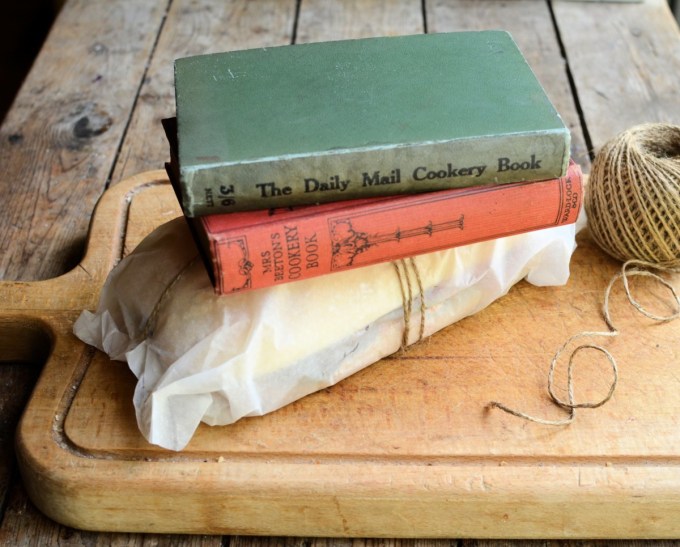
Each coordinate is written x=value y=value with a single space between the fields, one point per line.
x=235 y=265
x=348 y=243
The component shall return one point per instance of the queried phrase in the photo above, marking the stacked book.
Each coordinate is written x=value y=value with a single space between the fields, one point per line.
x=299 y=161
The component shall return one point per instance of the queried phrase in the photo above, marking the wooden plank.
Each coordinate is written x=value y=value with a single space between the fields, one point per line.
x=194 y=28
x=625 y=60
x=22 y=523
x=302 y=541
x=25 y=526
x=540 y=46
x=322 y=21
x=16 y=383
x=59 y=140
x=253 y=541
x=23 y=28
x=566 y=543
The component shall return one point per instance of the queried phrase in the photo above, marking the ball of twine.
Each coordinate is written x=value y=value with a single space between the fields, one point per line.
x=633 y=206
x=633 y=196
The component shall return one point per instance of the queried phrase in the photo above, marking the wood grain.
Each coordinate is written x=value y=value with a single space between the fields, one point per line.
x=59 y=140
x=194 y=28
x=403 y=448
x=625 y=60
x=25 y=526
x=349 y=19
x=633 y=49
x=16 y=382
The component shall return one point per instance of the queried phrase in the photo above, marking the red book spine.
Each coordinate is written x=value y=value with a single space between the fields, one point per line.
x=262 y=248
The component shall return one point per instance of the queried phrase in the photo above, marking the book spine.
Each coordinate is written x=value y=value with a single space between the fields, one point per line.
x=372 y=231
x=380 y=171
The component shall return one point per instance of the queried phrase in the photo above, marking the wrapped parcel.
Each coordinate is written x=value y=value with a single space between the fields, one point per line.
x=200 y=357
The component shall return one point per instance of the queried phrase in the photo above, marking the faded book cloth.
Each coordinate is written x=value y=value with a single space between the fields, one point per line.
x=200 y=357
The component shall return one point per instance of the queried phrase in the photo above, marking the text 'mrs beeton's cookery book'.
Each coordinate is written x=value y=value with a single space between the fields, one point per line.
x=324 y=122
x=256 y=249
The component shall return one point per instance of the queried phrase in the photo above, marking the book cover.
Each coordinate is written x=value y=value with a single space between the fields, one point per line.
x=250 y=250
x=323 y=122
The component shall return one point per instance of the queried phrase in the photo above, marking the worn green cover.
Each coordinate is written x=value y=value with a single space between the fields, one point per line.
x=321 y=122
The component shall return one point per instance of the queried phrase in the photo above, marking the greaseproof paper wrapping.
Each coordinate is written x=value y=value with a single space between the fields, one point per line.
x=200 y=357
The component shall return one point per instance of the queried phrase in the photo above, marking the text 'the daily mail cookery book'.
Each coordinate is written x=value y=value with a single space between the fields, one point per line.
x=323 y=122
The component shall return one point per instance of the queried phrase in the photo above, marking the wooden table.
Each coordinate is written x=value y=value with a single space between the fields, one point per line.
x=88 y=116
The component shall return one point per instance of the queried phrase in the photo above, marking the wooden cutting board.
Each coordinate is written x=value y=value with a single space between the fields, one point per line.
x=406 y=447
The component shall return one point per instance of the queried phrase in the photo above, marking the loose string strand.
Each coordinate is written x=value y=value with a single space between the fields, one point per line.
x=639 y=271
x=630 y=268
x=150 y=324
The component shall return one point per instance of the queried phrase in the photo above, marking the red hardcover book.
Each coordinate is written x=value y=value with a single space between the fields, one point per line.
x=257 y=249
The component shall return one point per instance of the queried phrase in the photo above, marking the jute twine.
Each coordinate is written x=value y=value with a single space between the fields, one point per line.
x=410 y=286
x=407 y=278
x=150 y=324
x=633 y=196
x=632 y=203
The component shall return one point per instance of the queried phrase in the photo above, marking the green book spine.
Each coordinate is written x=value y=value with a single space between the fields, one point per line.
x=324 y=122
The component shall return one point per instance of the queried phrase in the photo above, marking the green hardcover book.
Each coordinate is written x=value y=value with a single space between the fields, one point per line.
x=315 y=123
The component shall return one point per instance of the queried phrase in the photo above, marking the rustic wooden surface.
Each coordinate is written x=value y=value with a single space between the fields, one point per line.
x=88 y=116
x=406 y=447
